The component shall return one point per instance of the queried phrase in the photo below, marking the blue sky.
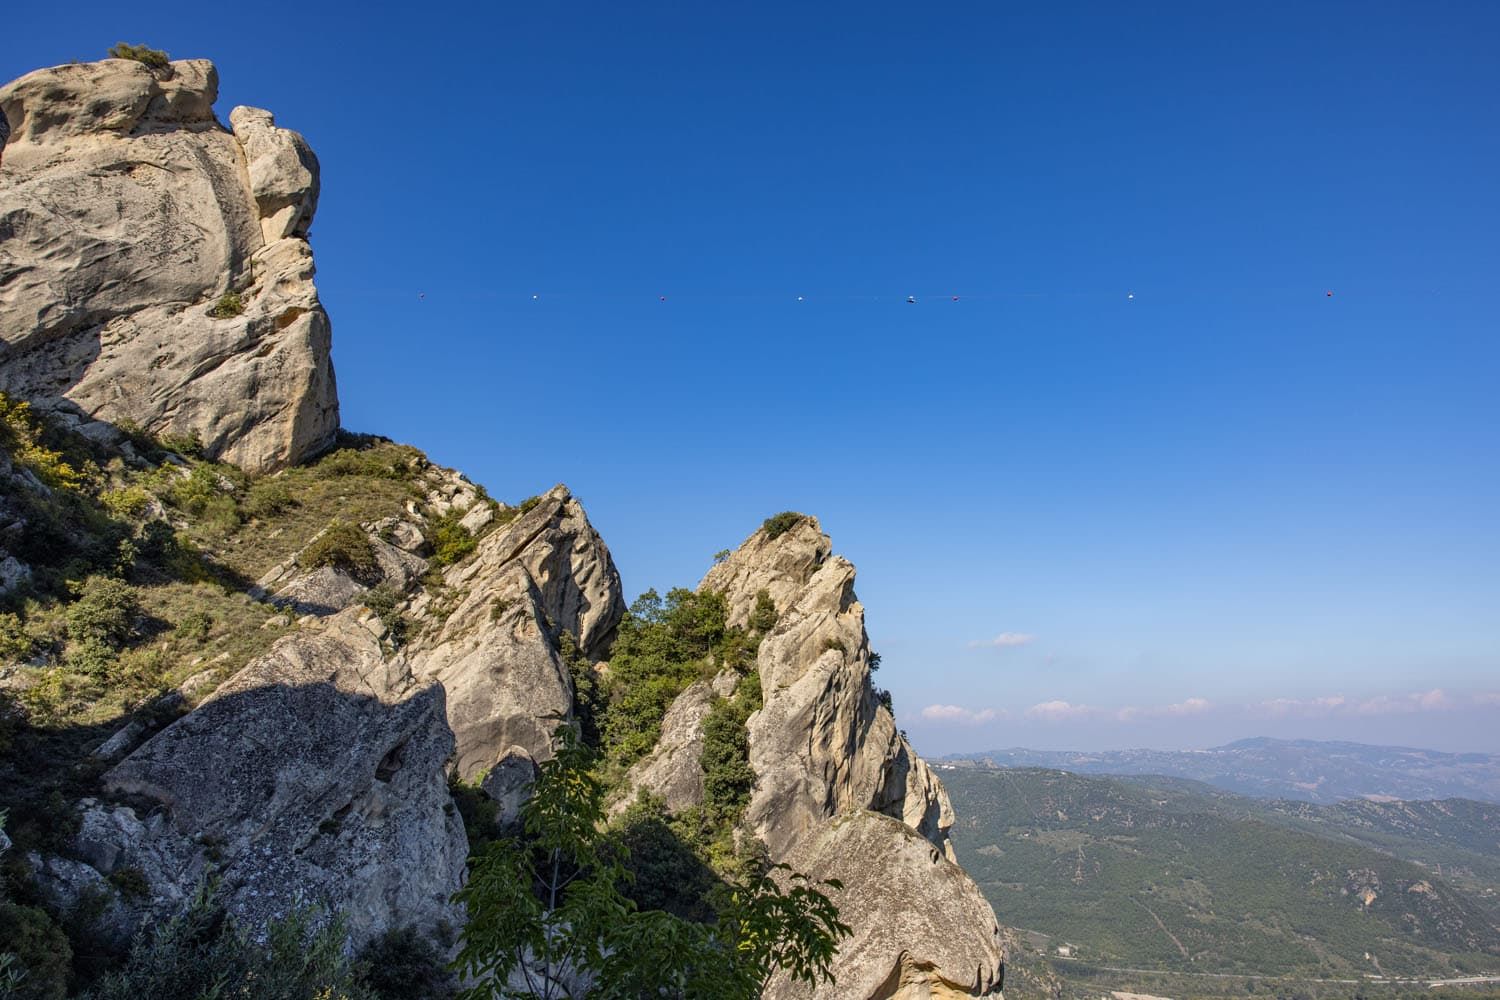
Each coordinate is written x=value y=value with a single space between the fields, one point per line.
x=1231 y=505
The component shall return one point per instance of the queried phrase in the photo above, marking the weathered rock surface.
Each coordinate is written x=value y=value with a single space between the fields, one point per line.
x=497 y=653
x=673 y=769
x=315 y=774
x=822 y=745
x=126 y=211
x=920 y=927
x=839 y=791
x=509 y=785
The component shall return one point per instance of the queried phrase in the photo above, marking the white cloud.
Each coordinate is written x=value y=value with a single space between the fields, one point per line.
x=1417 y=701
x=1059 y=711
x=1487 y=698
x=959 y=714
x=1308 y=707
x=1005 y=640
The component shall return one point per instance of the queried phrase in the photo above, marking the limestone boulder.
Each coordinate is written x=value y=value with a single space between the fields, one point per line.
x=314 y=775
x=921 y=927
x=126 y=213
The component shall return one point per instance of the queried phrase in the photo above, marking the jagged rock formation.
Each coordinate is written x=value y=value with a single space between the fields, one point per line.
x=497 y=652
x=126 y=213
x=839 y=791
x=673 y=770
x=314 y=775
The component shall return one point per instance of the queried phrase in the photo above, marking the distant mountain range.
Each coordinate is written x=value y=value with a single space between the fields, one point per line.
x=1306 y=770
x=1137 y=873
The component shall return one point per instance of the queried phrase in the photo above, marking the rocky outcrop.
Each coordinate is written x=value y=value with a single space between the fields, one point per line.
x=822 y=745
x=314 y=775
x=127 y=213
x=840 y=793
x=498 y=652
x=921 y=929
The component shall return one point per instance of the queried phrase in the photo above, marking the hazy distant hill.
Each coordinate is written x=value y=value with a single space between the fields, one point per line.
x=1310 y=770
x=1162 y=874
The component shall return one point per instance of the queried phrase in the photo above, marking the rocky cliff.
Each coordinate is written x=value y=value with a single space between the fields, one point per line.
x=156 y=266
x=839 y=791
x=402 y=630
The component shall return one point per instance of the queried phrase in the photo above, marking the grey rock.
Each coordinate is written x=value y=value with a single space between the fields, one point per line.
x=673 y=770
x=781 y=566
x=129 y=210
x=497 y=652
x=509 y=784
x=921 y=928
x=315 y=774
x=13 y=573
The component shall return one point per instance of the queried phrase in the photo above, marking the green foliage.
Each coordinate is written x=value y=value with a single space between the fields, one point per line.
x=661 y=646
x=131 y=882
x=552 y=903
x=26 y=438
x=41 y=950
x=343 y=546
x=764 y=617
x=229 y=306
x=834 y=642
x=721 y=555
x=779 y=524
x=203 y=954
x=267 y=497
x=188 y=445
x=155 y=58
x=104 y=613
x=728 y=778
x=479 y=812
x=402 y=964
x=449 y=539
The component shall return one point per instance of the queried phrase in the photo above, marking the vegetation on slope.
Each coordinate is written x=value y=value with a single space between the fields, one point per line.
x=1154 y=878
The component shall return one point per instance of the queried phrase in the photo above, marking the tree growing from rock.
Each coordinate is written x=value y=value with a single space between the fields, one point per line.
x=547 y=919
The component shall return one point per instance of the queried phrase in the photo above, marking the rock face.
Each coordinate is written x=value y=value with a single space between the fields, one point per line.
x=315 y=774
x=823 y=744
x=497 y=653
x=921 y=928
x=839 y=791
x=126 y=212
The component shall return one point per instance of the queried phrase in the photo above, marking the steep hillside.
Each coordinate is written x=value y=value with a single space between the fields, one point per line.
x=1141 y=875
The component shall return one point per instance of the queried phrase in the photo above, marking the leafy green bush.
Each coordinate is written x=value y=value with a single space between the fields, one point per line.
x=155 y=58
x=188 y=445
x=552 y=901
x=41 y=949
x=449 y=539
x=780 y=524
x=834 y=642
x=385 y=601
x=105 y=612
x=229 y=306
x=343 y=546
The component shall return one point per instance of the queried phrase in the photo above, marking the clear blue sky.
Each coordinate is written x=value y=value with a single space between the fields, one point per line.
x=1231 y=488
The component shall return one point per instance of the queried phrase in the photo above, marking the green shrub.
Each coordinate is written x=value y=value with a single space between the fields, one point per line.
x=267 y=497
x=764 y=617
x=155 y=58
x=343 y=546
x=385 y=601
x=131 y=882
x=128 y=501
x=203 y=953
x=194 y=626
x=449 y=539
x=402 y=964
x=834 y=642
x=41 y=949
x=780 y=524
x=229 y=306
x=188 y=445
x=104 y=613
